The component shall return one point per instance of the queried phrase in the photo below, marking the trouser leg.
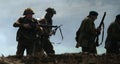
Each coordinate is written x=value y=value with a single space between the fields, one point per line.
x=20 y=49
x=48 y=47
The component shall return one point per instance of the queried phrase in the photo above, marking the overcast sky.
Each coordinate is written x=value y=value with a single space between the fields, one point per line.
x=70 y=13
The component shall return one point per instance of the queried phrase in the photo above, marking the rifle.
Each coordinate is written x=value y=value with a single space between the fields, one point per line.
x=42 y=25
x=100 y=26
x=54 y=31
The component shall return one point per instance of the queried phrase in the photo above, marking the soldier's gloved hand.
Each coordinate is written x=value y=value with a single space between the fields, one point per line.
x=77 y=45
x=26 y=26
x=98 y=30
x=51 y=33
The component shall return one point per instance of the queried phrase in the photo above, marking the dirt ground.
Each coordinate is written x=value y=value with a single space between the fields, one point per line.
x=73 y=58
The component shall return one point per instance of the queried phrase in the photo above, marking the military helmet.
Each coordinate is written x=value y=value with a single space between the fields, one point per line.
x=28 y=11
x=50 y=10
x=94 y=13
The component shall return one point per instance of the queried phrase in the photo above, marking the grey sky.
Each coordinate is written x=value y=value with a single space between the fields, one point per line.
x=70 y=13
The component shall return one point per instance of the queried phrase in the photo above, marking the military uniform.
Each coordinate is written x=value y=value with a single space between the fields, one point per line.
x=112 y=43
x=85 y=36
x=47 y=20
x=25 y=36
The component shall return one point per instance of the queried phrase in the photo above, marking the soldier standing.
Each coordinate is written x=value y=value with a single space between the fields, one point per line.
x=85 y=36
x=26 y=33
x=112 y=43
x=47 y=20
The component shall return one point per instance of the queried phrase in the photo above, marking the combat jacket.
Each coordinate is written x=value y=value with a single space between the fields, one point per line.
x=25 y=33
x=113 y=35
x=46 y=30
x=86 y=33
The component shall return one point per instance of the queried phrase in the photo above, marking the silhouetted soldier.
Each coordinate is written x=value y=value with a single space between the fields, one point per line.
x=112 y=43
x=26 y=33
x=85 y=36
x=47 y=20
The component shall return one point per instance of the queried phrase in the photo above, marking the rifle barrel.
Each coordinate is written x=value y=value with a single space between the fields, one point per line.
x=102 y=20
x=47 y=26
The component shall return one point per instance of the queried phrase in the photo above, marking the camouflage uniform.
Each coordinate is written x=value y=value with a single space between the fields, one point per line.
x=112 y=43
x=47 y=20
x=85 y=36
x=25 y=36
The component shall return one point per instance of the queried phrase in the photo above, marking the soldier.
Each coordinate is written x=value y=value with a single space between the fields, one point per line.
x=26 y=33
x=85 y=36
x=112 y=43
x=47 y=20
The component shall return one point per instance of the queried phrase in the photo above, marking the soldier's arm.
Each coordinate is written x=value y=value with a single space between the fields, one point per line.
x=77 y=35
x=17 y=24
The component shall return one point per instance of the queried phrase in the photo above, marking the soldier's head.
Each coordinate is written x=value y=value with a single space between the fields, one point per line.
x=93 y=15
x=118 y=18
x=28 y=11
x=50 y=12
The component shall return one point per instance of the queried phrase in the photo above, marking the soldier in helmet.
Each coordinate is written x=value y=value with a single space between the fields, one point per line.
x=85 y=36
x=26 y=33
x=112 y=43
x=47 y=20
